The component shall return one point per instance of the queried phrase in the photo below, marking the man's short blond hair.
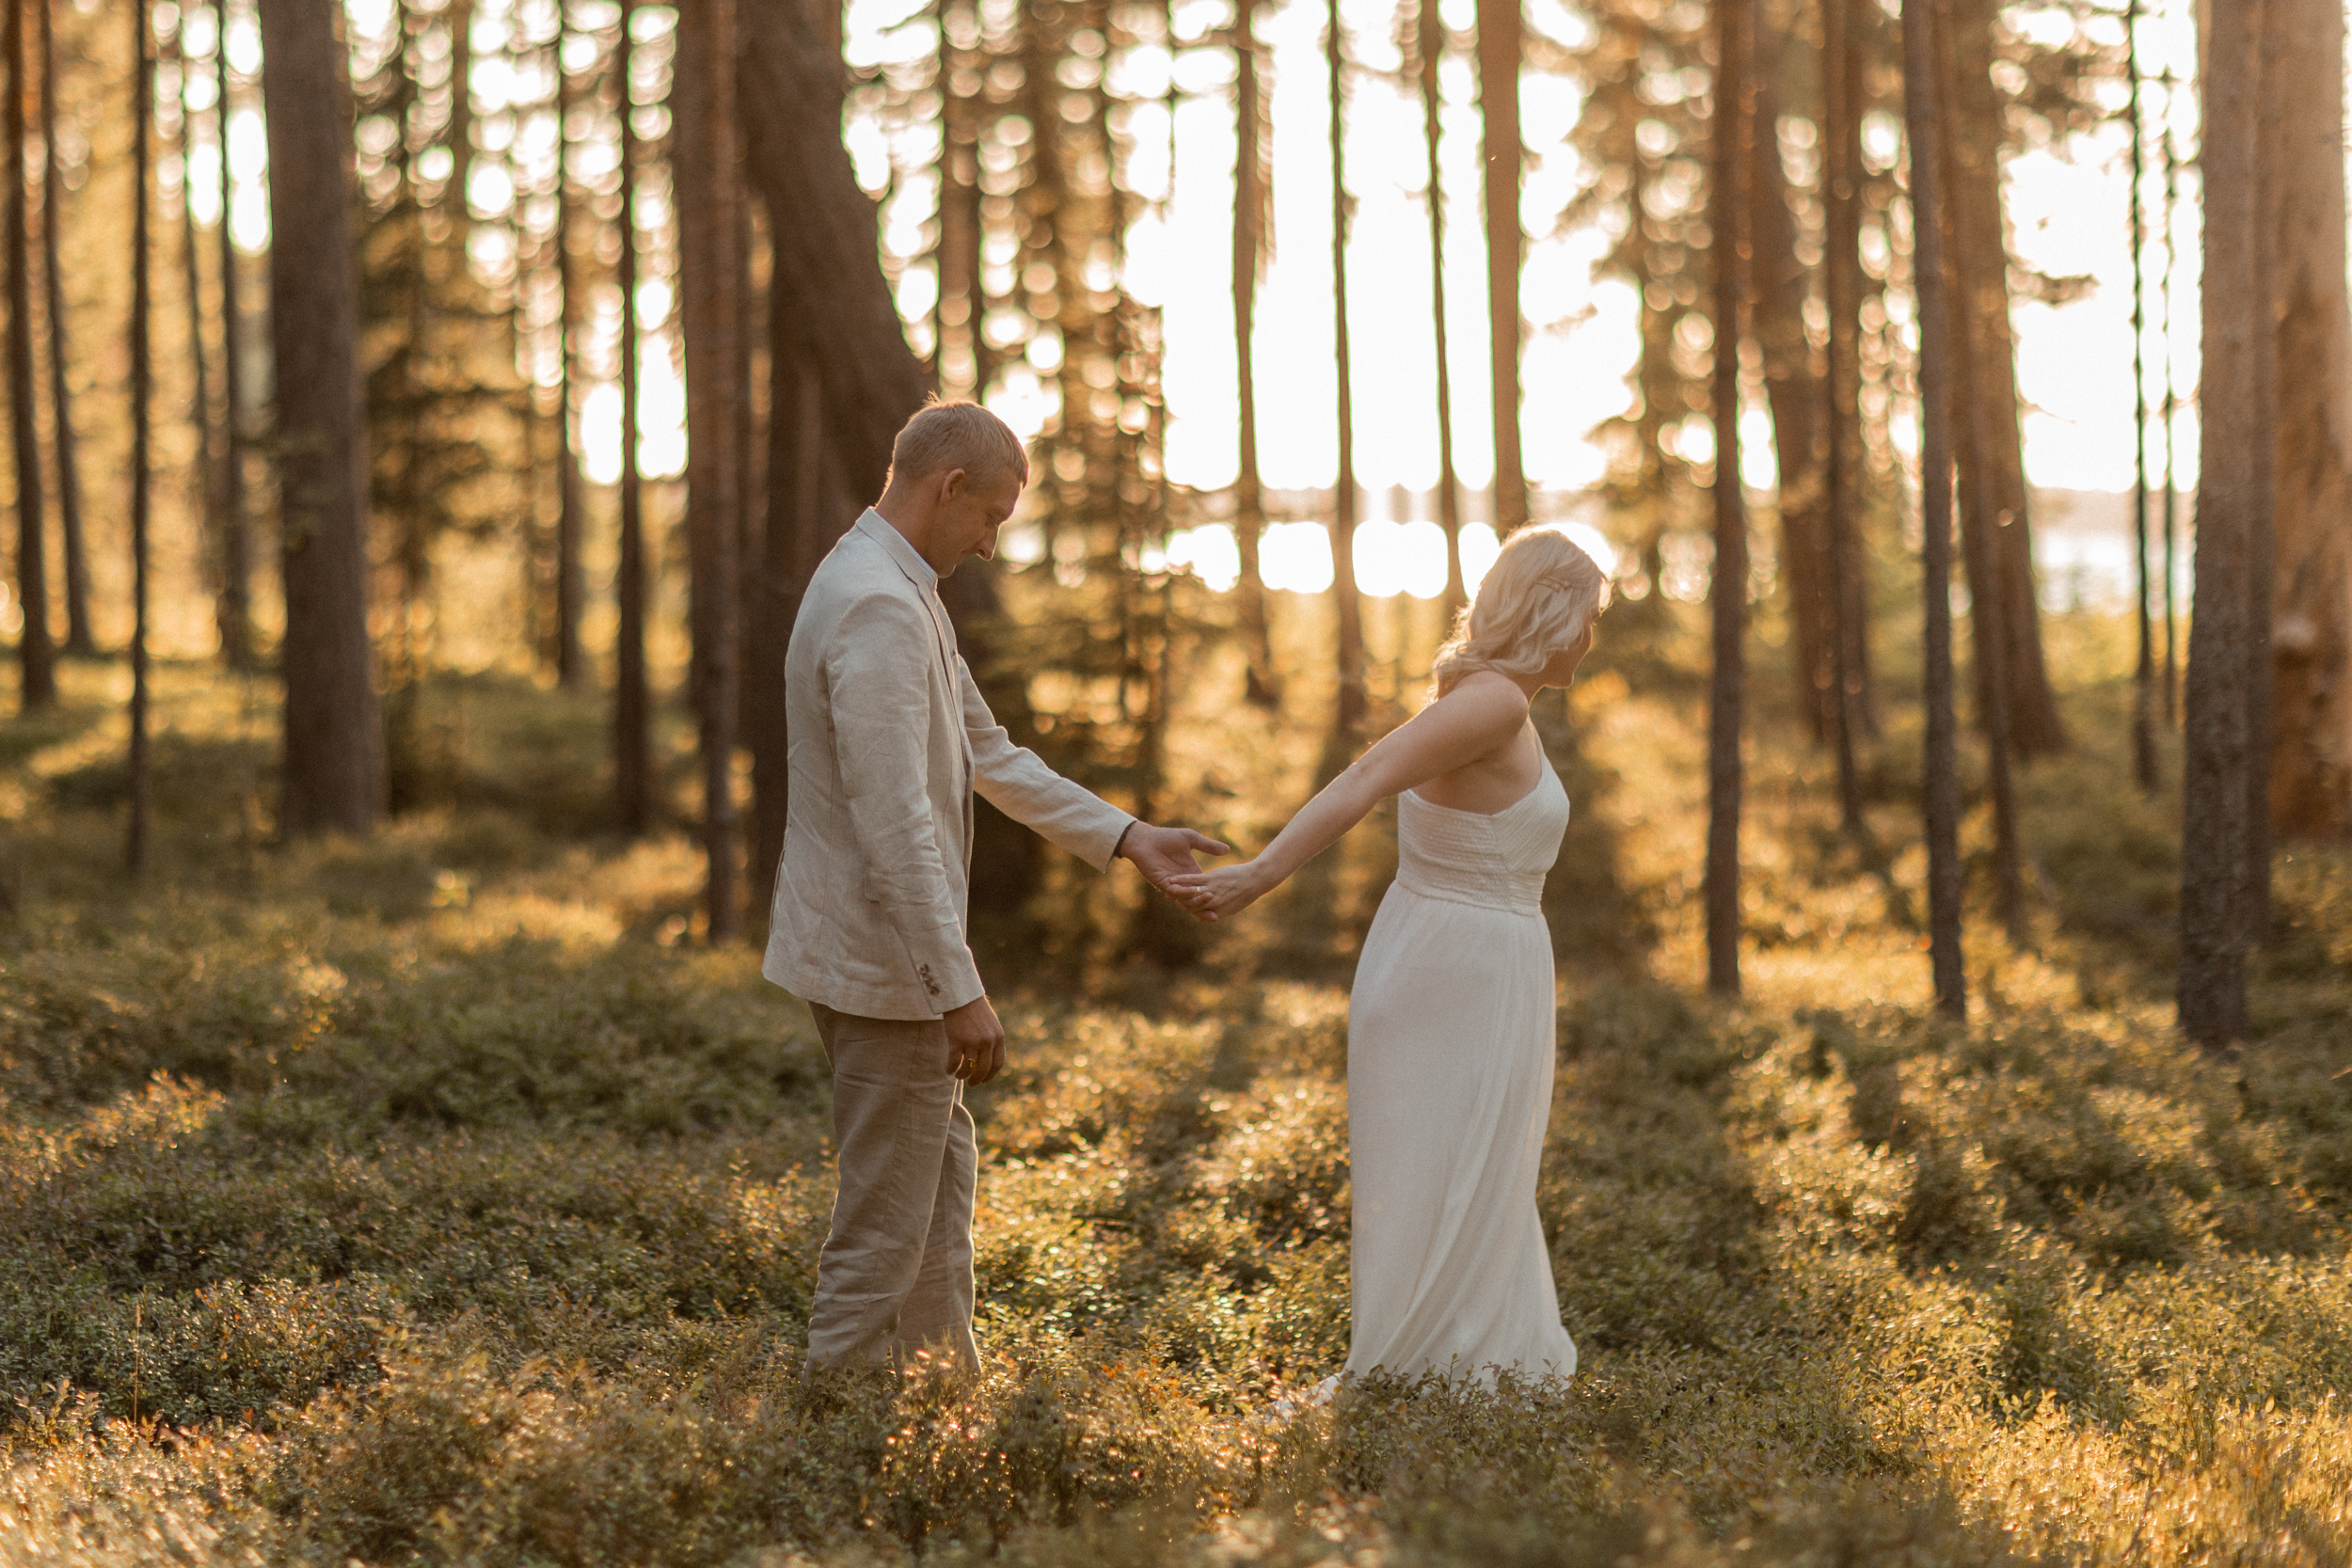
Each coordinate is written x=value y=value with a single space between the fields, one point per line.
x=957 y=435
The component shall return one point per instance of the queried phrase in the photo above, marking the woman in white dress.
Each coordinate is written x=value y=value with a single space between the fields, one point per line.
x=1450 y=1028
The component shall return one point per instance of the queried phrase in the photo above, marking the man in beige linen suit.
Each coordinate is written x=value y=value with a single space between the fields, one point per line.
x=889 y=740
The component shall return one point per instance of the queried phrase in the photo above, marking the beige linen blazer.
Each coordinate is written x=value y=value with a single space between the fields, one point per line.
x=889 y=739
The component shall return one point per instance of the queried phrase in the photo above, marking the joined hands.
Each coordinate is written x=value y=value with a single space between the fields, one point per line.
x=1164 y=856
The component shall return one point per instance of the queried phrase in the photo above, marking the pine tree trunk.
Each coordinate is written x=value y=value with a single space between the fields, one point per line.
x=334 y=758
x=962 y=310
x=2311 y=762
x=192 y=269
x=35 y=651
x=1729 y=206
x=79 y=640
x=1842 y=457
x=1348 y=604
x=142 y=386
x=2218 y=757
x=1429 y=49
x=571 y=578
x=1973 y=131
x=632 y=719
x=1500 y=46
x=710 y=267
x=1795 y=389
x=1251 y=213
x=233 y=611
x=2144 y=661
x=1929 y=226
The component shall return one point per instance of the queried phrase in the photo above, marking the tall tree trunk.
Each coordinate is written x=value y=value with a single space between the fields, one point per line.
x=334 y=756
x=1429 y=50
x=2219 y=756
x=233 y=611
x=571 y=578
x=1795 y=388
x=2311 y=762
x=632 y=737
x=2144 y=663
x=1842 y=459
x=1349 y=718
x=2171 y=414
x=1973 y=127
x=142 y=386
x=1500 y=46
x=1941 y=783
x=1730 y=203
x=192 y=269
x=1979 y=387
x=2261 y=538
x=1252 y=213
x=35 y=652
x=711 y=268
x=79 y=640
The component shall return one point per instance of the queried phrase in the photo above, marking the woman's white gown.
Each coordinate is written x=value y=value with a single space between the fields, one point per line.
x=1449 y=1045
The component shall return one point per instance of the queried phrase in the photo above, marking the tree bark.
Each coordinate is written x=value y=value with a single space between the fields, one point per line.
x=35 y=652
x=1730 y=205
x=571 y=582
x=233 y=611
x=2219 y=757
x=142 y=389
x=632 y=719
x=1429 y=49
x=1348 y=604
x=1253 y=200
x=710 y=273
x=1842 y=458
x=334 y=737
x=2310 y=761
x=192 y=269
x=1941 y=783
x=79 y=640
x=1973 y=129
x=1795 y=388
x=1500 y=44
x=2144 y=662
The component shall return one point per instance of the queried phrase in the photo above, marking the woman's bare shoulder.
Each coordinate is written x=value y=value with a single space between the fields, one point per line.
x=1482 y=701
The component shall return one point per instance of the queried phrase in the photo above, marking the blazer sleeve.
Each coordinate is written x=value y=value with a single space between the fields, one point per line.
x=877 y=679
x=1016 y=782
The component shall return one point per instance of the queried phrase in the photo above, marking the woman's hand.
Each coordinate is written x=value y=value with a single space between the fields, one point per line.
x=1224 y=890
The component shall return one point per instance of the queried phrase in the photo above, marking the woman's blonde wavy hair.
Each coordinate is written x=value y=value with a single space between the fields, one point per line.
x=1535 y=602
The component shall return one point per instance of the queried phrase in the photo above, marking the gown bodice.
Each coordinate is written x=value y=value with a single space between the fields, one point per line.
x=1494 y=860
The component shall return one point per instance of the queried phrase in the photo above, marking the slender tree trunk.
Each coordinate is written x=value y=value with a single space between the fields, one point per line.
x=1501 y=47
x=1941 y=783
x=710 y=276
x=1345 y=598
x=334 y=759
x=1795 y=388
x=2310 y=763
x=1729 y=205
x=79 y=640
x=35 y=651
x=1252 y=212
x=142 y=384
x=1429 y=50
x=633 y=743
x=571 y=583
x=2144 y=665
x=1979 y=389
x=2171 y=416
x=192 y=268
x=234 y=608
x=2261 y=536
x=1842 y=460
x=2218 y=757
x=1973 y=125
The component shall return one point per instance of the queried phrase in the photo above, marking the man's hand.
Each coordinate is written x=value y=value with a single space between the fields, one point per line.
x=976 y=1041
x=1164 y=854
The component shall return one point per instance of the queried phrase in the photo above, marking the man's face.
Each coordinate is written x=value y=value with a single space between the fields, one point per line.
x=970 y=512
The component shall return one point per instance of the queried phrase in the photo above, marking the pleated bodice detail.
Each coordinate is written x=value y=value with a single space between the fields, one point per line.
x=1494 y=860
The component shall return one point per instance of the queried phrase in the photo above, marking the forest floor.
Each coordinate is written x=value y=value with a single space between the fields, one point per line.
x=437 y=1198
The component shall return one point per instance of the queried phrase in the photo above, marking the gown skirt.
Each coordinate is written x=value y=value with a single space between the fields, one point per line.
x=1450 y=1052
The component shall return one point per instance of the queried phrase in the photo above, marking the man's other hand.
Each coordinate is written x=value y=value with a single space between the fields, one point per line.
x=1163 y=854
x=976 y=1041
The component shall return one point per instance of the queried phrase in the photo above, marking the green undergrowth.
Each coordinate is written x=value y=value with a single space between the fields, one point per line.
x=431 y=1200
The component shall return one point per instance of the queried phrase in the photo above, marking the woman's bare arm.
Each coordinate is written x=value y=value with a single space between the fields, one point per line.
x=1475 y=719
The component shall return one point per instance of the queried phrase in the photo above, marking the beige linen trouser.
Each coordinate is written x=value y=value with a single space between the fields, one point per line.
x=896 y=1273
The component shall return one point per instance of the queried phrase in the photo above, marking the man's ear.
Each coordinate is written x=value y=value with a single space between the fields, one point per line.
x=954 y=482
